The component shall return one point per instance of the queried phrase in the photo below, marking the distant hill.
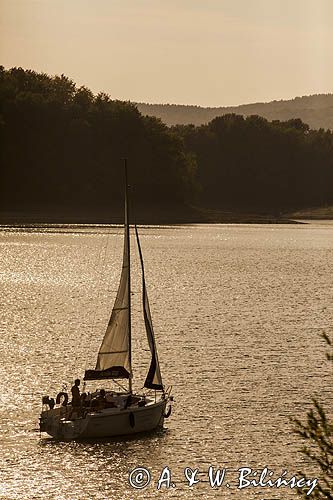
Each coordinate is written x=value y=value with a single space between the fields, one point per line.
x=315 y=110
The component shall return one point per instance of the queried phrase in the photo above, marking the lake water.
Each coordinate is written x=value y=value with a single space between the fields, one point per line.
x=238 y=312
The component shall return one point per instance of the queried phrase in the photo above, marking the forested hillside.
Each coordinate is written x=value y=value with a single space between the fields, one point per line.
x=250 y=162
x=315 y=110
x=61 y=148
x=62 y=145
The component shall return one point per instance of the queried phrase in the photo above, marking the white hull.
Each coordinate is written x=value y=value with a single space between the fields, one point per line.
x=105 y=423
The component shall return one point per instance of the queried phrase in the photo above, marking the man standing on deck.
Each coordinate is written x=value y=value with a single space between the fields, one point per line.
x=76 y=400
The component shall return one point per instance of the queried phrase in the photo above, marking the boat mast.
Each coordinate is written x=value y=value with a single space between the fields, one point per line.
x=127 y=235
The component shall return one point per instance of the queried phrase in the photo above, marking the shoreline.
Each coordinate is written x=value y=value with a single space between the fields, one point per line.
x=34 y=219
x=156 y=215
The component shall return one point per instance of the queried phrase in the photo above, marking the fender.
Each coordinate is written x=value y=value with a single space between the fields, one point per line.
x=132 y=420
x=168 y=412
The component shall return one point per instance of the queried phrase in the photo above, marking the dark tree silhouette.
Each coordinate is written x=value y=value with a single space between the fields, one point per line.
x=252 y=163
x=317 y=433
x=61 y=145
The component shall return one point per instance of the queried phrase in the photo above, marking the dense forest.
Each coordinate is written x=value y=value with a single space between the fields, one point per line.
x=252 y=163
x=315 y=110
x=61 y=147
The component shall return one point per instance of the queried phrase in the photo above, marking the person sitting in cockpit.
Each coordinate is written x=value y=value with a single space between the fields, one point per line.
x=100 y=401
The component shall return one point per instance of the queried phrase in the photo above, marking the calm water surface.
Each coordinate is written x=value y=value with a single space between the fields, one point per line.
x=238 y=312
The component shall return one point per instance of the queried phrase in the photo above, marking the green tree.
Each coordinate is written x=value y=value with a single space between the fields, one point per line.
x=317 y=433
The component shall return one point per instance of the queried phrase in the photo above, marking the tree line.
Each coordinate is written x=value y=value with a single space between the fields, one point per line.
x=251 y=162
x=61 y=145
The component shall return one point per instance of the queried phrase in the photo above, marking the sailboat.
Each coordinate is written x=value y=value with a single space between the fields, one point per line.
x=108 y=413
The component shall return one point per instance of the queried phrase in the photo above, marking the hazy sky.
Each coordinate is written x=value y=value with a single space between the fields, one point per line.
x=205 y=52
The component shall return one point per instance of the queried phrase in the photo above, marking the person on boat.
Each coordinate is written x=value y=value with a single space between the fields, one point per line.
x=111 y=401
x=101 y=399
x=76 y=398
x=84 y=402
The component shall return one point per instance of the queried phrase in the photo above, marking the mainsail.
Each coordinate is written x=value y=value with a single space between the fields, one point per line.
x=154 y=379
x=113 y=360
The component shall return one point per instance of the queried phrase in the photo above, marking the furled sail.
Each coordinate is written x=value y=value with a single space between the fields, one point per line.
x=154 y=379
x=113 y=360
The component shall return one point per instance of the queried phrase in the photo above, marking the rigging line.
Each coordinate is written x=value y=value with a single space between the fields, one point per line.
x=138 y=324
x=134 y=273
x=101 y=267
x=117 y=383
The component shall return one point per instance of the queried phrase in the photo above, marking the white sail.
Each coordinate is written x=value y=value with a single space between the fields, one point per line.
x=113 y=360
